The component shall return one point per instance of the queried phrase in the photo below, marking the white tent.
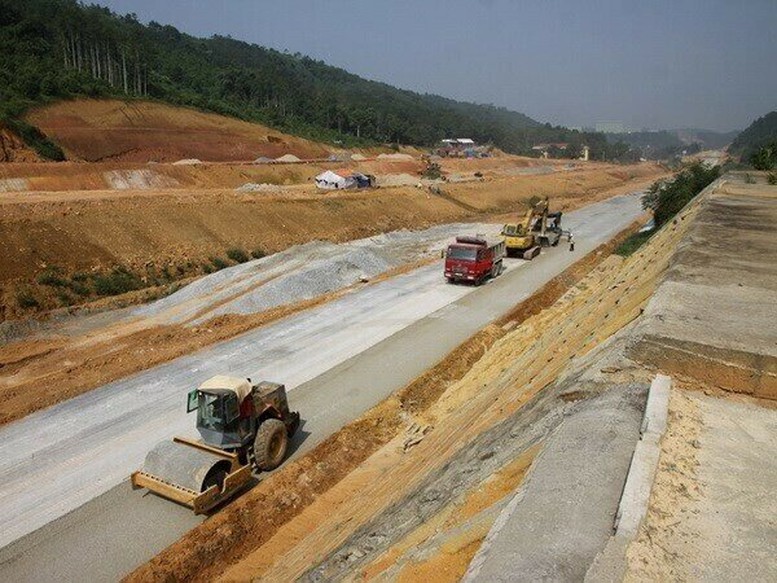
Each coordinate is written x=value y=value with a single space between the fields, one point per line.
x=330 y=181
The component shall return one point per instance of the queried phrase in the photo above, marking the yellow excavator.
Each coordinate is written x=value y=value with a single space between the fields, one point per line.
x=538 y=229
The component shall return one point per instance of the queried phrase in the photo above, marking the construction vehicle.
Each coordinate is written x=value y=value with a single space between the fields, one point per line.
x=538 y=229
x=243 y=427
x=474 y=259
x=548 y=228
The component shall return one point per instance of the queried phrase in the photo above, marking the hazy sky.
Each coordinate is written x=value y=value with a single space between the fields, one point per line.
x=649 y=63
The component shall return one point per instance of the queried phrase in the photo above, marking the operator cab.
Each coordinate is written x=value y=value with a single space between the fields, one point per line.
x=219 y=419
x=512 y=230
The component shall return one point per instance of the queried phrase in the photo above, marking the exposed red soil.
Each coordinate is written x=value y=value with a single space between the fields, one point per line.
x=139 y=131
x=13 y=149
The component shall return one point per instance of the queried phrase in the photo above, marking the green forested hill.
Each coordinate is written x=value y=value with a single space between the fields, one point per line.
x=762 y=132
x=55 y=49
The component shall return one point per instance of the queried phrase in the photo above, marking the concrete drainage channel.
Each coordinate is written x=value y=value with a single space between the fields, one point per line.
x=610 y=564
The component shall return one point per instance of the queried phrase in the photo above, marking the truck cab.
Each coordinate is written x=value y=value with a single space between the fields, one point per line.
x=473 y=259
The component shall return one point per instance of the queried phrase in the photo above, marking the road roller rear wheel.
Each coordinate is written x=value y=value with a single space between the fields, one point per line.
x=270 y=444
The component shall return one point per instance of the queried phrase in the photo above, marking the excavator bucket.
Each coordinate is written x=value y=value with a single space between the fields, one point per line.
x=192 y=473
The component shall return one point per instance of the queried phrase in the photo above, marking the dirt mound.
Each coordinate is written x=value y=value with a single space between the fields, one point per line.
x=399 y=157
x=140 y=131
x=12 y=149
x=288 y=158
x=403 y=179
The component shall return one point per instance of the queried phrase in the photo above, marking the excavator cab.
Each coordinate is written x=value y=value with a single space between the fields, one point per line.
x=512 y=230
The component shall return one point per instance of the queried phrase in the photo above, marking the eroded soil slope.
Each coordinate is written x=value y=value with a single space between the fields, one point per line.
x=93 y=130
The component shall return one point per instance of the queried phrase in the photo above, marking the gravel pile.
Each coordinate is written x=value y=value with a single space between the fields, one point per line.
x=13 y=185
x=532 y=170
x=302 y=272
x=404 y=157
x=315 y=278
x=403 y=179
x=187 y=162
x=137 y=179
x=263 y=160
x=358 y=157
x=254 y=187
x=288 y=158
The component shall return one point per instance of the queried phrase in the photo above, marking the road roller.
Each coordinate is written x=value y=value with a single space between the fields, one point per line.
x=243 y=427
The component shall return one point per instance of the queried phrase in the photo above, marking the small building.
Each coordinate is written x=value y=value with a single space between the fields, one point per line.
x=458 y=148
x=546 y=149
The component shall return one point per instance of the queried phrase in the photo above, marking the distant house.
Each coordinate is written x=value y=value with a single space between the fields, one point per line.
x=546 y=149
x=458 y=147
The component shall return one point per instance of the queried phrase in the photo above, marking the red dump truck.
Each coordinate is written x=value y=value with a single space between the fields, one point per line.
x=474 y=259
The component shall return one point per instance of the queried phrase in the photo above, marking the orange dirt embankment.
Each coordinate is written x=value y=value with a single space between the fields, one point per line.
x=139 y=131
x=77 y=176
x=13 y=149
x=253 y=520
x=74 y=176
x=92 y=231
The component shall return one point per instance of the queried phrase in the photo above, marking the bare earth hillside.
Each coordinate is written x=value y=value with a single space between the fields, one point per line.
x=140 y=131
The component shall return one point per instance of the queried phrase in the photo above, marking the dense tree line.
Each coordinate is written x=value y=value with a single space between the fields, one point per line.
x=761 y=133
x=667 y=197
x=54 y=49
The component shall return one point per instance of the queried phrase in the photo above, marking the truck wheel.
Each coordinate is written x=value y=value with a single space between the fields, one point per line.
x=270 y=444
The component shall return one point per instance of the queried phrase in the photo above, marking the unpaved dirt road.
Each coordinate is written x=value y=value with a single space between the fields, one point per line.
x=338 y=360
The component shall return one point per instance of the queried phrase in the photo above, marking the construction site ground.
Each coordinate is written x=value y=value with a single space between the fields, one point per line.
x=428 y=483
x=435 y=417
x=413 y=319
x=173 y=230
x=170 y=222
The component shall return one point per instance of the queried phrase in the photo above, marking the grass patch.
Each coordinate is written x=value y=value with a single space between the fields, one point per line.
x=237 y=255
x=26 y=299
x=218 y=263
x=632 y=243
x=258 y=253
x=118 y=281
x=36 y=139
x=52 y=277
x=79 y=287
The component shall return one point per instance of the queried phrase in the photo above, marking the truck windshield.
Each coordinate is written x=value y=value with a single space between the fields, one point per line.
x=462 y=253
x=512 y=230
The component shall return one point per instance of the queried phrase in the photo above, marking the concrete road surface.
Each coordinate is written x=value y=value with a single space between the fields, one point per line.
x=68 y=512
